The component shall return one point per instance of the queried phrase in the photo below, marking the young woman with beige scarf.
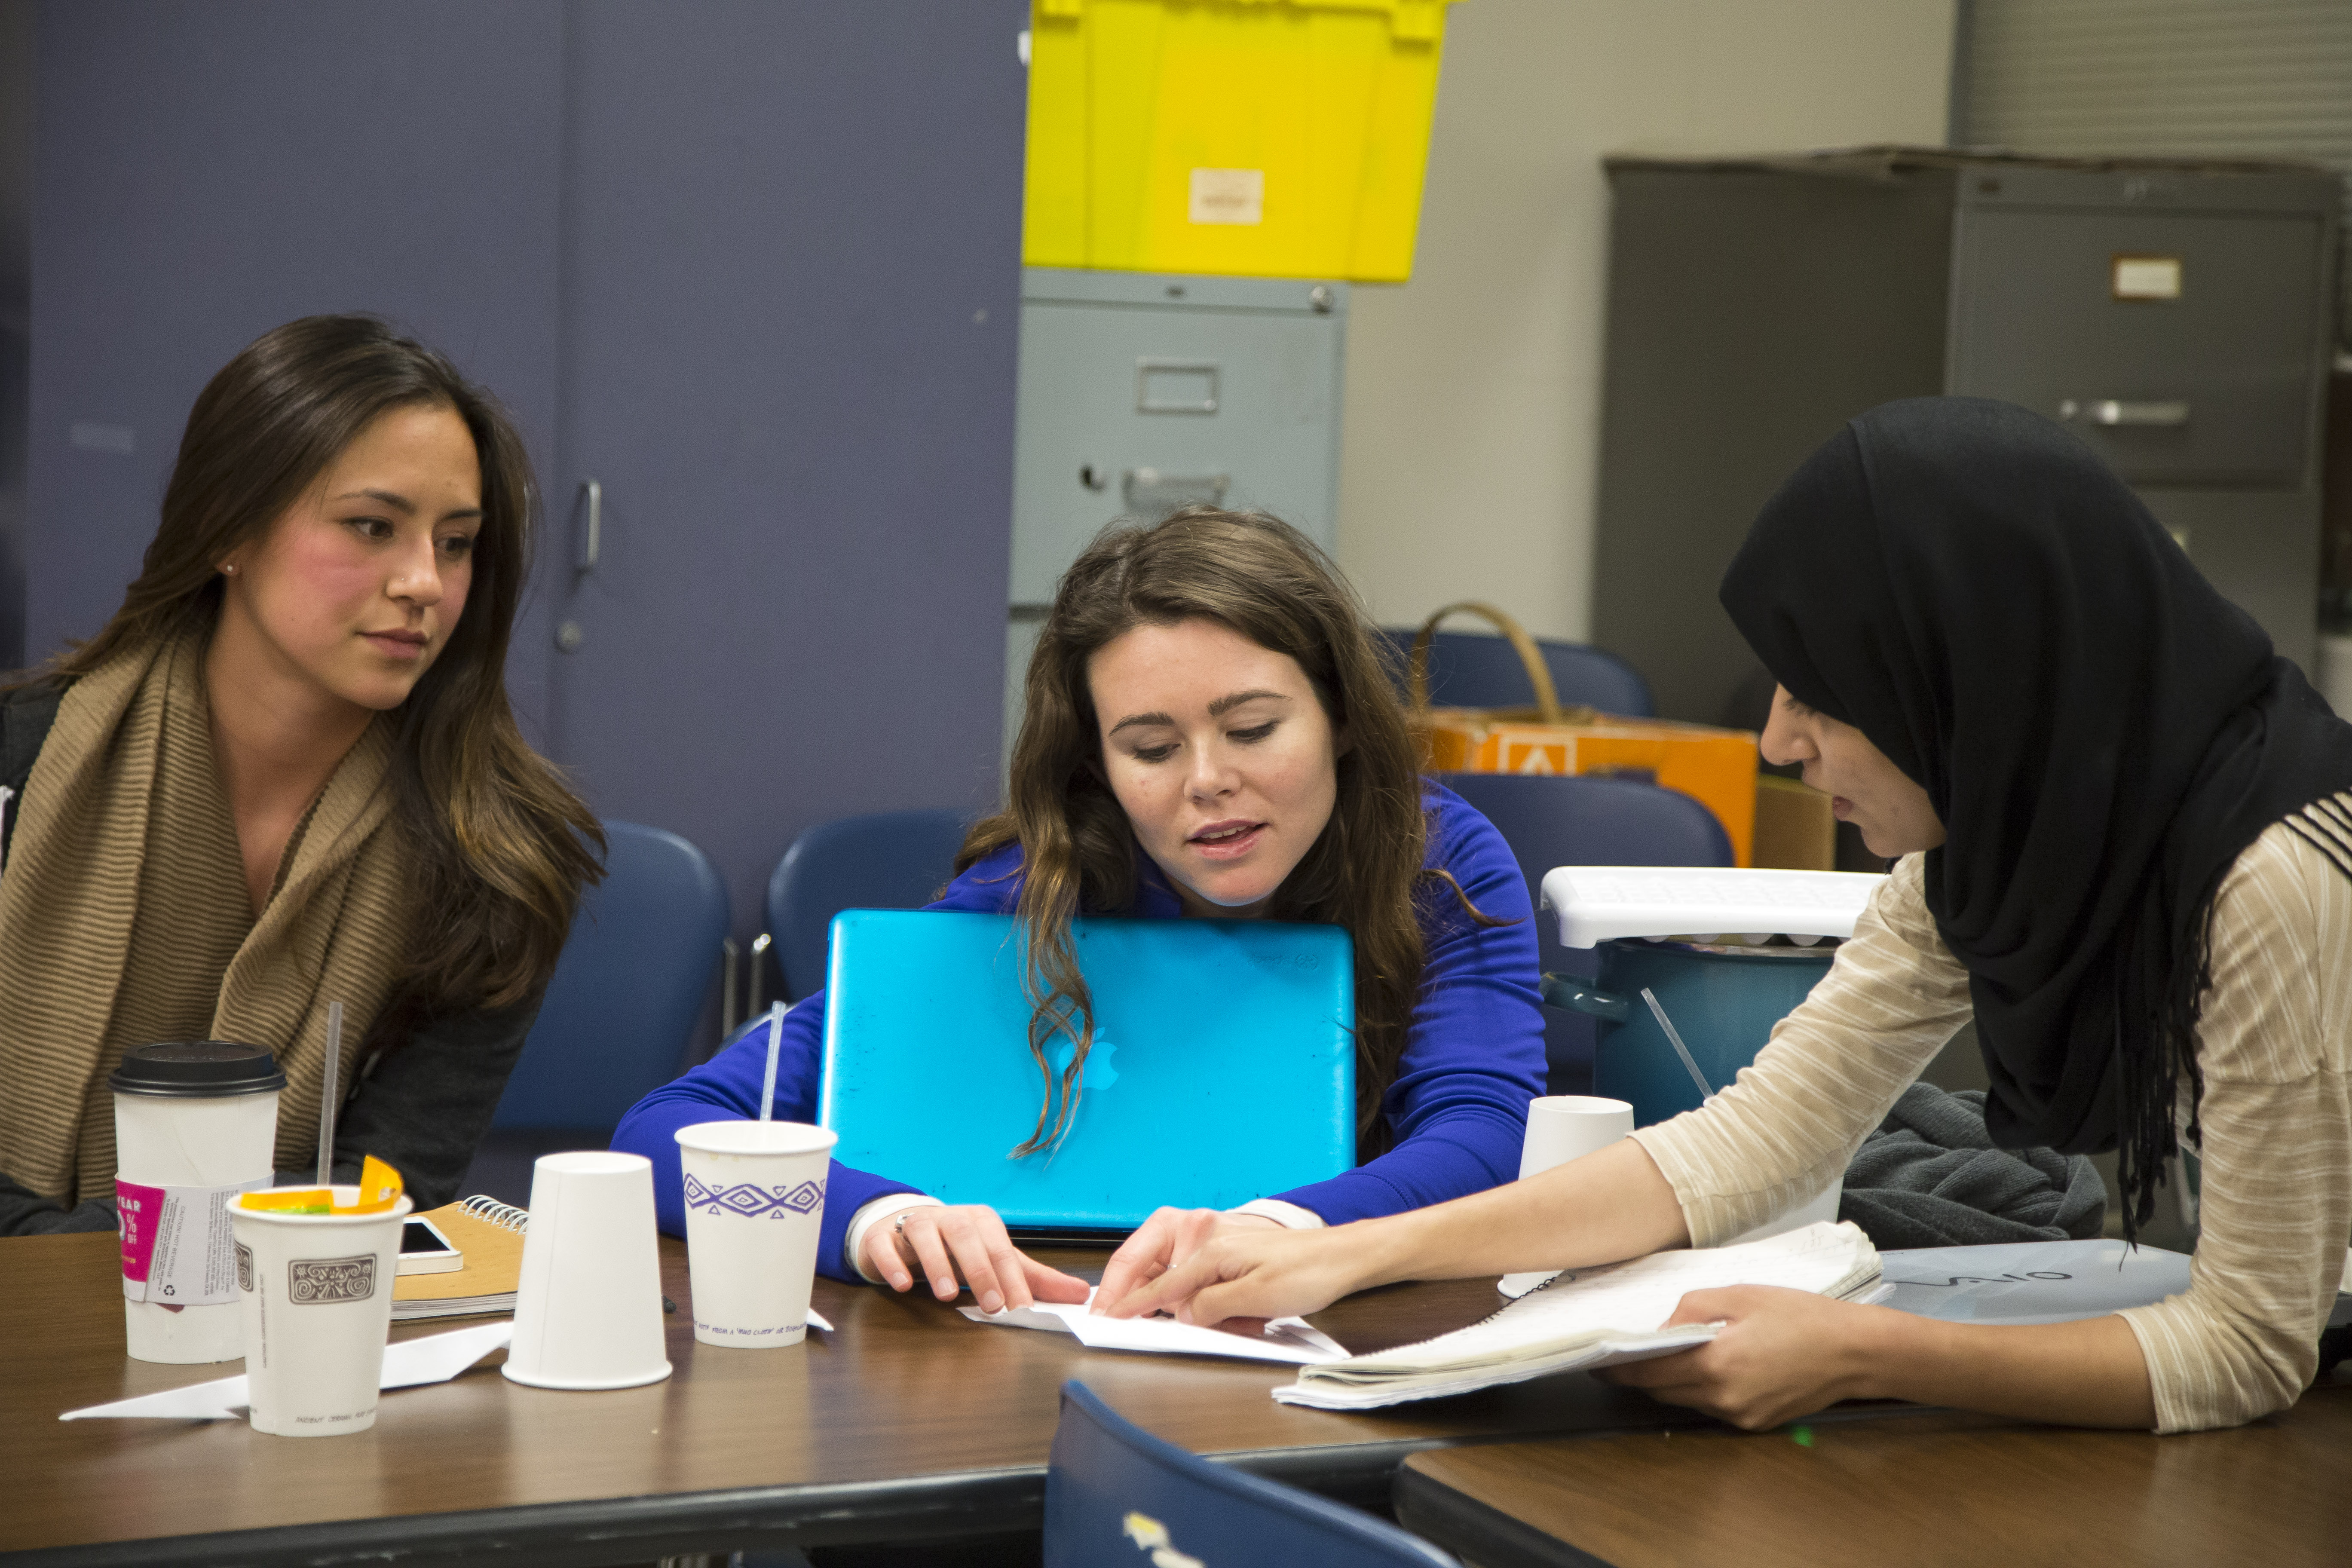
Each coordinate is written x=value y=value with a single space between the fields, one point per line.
x=285 y=774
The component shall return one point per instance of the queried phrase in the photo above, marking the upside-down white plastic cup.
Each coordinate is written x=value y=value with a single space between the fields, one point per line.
x=316 y=1296
x=1560 y=1128
x=754 y=1204
x=588 y=1311
x=1564 y=1127
x=195 y=1123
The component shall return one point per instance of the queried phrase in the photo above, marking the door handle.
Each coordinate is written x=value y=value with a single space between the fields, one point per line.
x=1155 y=489
x=2112 y=411
x=595 y=493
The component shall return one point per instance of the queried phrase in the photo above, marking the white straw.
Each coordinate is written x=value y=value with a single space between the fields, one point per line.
x=1682 y=1050
x=326 y=1093
x=776 y=1043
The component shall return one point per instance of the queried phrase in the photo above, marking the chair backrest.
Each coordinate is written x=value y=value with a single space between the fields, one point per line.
x=1592 y=820
x=1116 y=1494
x=889 y=860
x=1551 y=820
x=635 y=971
x=1471 y=670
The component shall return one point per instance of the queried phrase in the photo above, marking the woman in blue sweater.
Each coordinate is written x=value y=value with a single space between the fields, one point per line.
x=1209 y=733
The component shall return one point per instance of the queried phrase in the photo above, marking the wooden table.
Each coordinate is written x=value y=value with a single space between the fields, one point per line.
x=906 y=1424
x=1917 y=1489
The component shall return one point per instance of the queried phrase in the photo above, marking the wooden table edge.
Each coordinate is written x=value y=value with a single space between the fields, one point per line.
x=1478 y=1531
x=592 y=1532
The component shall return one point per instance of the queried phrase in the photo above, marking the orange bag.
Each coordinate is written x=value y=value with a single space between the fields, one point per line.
x=1715 y=767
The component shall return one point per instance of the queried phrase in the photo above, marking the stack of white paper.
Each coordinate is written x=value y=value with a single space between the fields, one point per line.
x=1592 y=1317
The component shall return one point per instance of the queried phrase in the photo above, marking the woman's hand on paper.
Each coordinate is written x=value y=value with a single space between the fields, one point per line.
x=1169 y=1237
x=1781 y=1354
x=962 y=1244
x=1239 y=1271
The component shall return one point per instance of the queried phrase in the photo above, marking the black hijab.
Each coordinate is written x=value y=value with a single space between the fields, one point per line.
x=2100 y=731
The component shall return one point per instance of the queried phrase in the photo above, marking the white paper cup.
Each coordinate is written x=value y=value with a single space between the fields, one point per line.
x=1564 y=1127
x=1821 y=1206
x=316 y=1295
x=588 y=1313
x=195 y=1122
x=754 y=1202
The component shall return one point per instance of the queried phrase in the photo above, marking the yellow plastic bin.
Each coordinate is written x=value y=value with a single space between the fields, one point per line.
x=1268 y=138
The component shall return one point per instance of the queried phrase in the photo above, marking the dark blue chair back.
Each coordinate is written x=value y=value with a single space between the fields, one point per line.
x=1550 y=821
x=635 y=971
x=889 y=860
x=1116 y=1494
x=1471 y=670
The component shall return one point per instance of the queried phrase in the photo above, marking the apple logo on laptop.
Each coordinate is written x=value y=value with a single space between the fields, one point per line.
x=1098 y=1074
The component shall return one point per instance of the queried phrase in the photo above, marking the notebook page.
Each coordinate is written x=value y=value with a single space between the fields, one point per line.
x=1634 y=1297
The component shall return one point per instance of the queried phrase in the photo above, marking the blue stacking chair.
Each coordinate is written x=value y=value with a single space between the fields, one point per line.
x=1592 y=820
x=1471 y=670
x=629 y=988
x=1116 y=1494
x=889 y=860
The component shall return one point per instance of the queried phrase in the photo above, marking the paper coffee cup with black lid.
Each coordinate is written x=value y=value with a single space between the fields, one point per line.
x=196 y=1122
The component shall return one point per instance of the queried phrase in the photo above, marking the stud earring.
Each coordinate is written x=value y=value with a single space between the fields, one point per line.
x=229 y=570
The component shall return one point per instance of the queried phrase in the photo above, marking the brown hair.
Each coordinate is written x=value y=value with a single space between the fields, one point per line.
x=1268 y=581
x=501 y=844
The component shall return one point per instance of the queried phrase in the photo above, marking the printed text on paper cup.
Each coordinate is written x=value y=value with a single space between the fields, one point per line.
x=176 y=1243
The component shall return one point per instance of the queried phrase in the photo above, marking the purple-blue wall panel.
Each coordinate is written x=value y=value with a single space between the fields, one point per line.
x=792 y=248
x=207 y=169
x=752 y=265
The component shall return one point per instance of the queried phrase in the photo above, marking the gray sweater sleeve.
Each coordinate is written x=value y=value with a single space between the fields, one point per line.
x=424 y=1107
x=422 y=1111
x=23 y=1213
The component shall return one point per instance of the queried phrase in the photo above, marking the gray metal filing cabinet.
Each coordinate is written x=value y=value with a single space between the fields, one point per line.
x=1141 y=392
x=2177 y=316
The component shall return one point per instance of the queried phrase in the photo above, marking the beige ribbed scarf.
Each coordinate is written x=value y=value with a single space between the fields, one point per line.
x=125 y=919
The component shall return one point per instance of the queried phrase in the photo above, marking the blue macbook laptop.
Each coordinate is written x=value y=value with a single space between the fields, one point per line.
x=1223 y=1068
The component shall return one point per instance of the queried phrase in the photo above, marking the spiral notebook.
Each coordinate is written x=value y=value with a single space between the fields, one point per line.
x=489 y=1233
x=1591 y=1317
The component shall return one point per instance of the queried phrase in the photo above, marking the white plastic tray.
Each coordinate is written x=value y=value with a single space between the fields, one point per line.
x=1595 y=904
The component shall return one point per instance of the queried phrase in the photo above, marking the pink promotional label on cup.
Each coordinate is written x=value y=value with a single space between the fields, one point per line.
x=177 y=1248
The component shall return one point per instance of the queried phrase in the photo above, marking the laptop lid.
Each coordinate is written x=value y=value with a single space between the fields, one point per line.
x=1223 y=1065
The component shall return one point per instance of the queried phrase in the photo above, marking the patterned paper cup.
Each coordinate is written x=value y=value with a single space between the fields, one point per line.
x=317 y=1295
x=754 y=1200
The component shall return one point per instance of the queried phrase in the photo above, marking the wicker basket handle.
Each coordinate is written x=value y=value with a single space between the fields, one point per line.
x=1539 y=673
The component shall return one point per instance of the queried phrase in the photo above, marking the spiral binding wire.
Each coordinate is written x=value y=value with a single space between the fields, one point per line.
x=506 y=1216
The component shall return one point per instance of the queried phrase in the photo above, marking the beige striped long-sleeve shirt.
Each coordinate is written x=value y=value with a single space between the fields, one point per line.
x=2275 y=1046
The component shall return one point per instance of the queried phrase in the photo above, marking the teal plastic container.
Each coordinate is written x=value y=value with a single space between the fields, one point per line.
x=1723 y=1003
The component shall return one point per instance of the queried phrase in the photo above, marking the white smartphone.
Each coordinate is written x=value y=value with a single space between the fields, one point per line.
x=424 y=1250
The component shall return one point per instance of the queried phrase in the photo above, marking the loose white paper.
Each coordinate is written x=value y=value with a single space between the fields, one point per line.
x=1291 y=1340
x=817 y=1321
x=437 y=1358
x=1612 y=1352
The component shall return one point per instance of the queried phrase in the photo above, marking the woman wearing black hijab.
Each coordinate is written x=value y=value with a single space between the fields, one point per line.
x=2126 y=853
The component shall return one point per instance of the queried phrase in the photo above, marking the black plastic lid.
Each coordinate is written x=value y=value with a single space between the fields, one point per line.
x=197 y=1069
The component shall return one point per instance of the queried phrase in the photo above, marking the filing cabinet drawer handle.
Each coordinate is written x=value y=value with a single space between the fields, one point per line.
x=2112 y=411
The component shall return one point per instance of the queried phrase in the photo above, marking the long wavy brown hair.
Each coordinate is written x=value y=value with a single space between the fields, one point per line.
x=500 y=845
x=1265 y=580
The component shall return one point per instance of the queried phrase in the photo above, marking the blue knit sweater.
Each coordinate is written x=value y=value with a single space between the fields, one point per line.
x=1457 y=1111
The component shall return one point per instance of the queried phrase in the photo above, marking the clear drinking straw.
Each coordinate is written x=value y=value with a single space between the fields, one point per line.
x=326 y=1093
x=775 y=1042
x=1682 y=1050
